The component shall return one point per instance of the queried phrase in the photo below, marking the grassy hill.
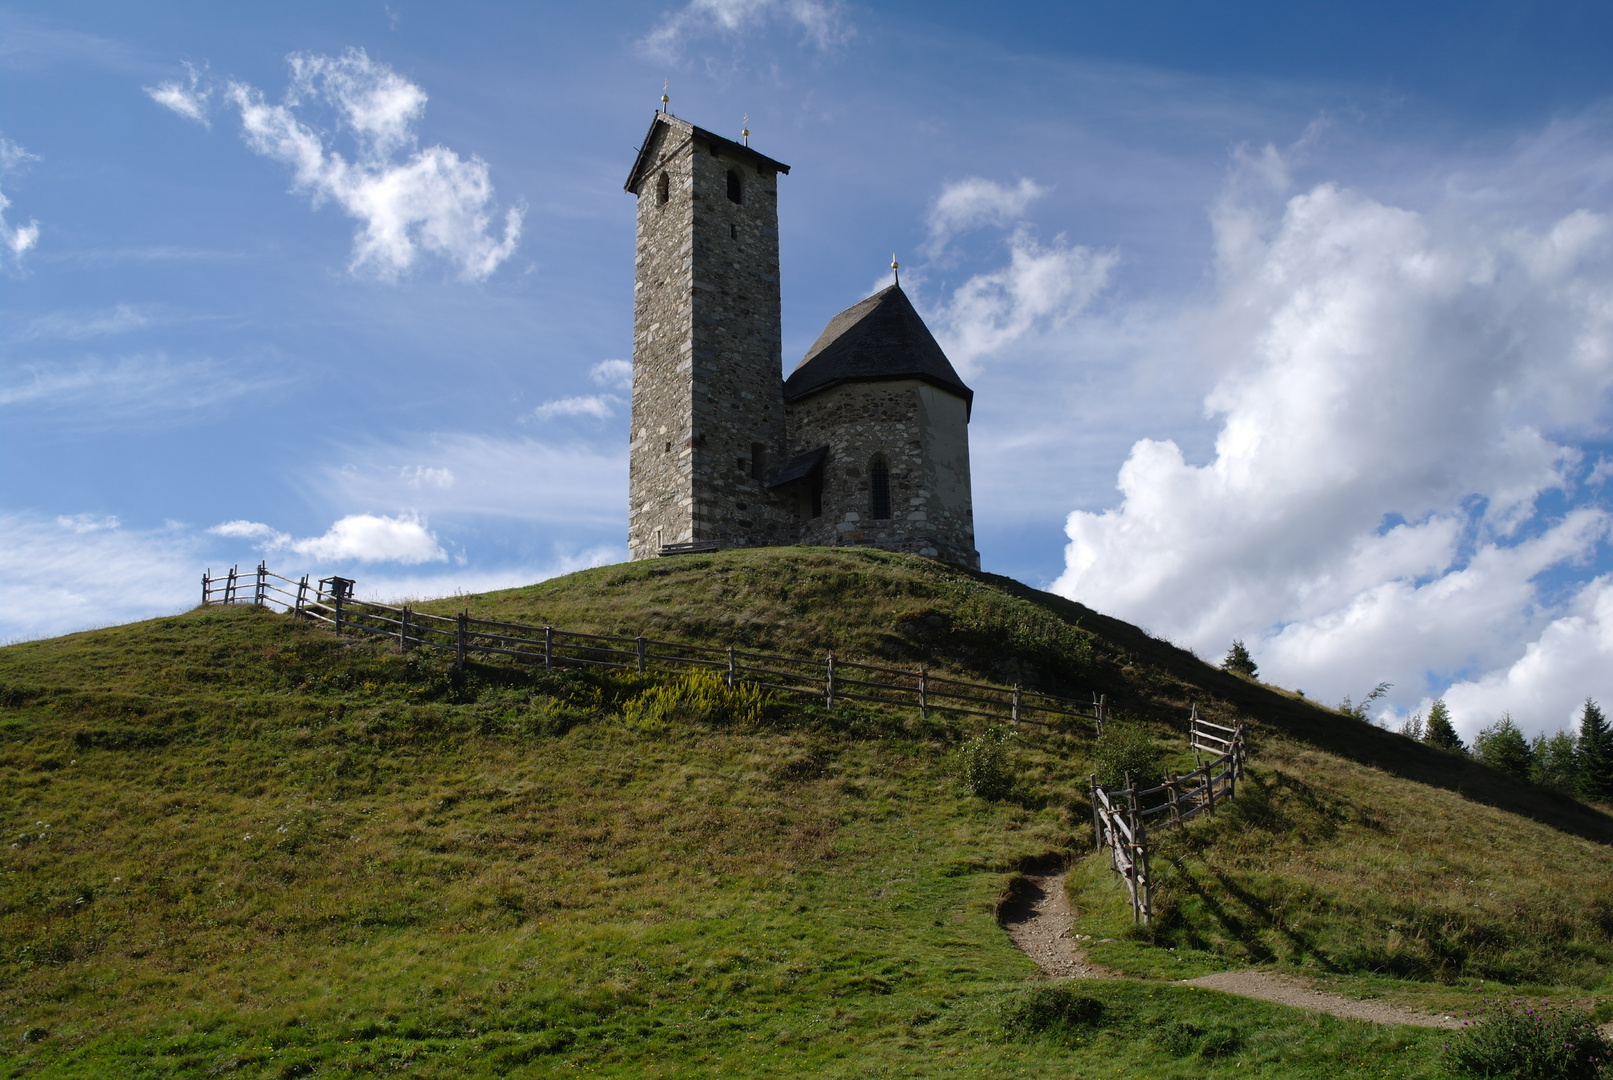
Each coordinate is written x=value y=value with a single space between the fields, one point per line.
x=238 y=845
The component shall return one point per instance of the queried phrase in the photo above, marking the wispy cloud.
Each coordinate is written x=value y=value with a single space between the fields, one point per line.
x=599 y=406
x=616 y=374
x=83 y=325
x=187 y=98
x=16 y=239
x=821 y=23
x=357 y=537
x=125 y=389
x=974 y=202
x=408 y=201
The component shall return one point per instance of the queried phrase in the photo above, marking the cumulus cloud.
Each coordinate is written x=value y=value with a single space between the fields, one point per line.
x=616 y=374
x=973 y=202
x=599 y=406
x=1391 y=382
x=187 y=98
x=356 y=537
x=407 y=200
x=1043 y=286
x=17 y=239
x=821 y=24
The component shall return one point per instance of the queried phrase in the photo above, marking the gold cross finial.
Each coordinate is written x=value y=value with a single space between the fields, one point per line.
x=896 y=268
x=744 y=131
x=665 y=101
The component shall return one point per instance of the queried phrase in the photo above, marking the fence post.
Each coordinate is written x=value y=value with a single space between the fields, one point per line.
x=1209 y=786
x=206 y=581
x=403 y=631
x=548 y=648
x=924 y=692
x=229 y=586
x=1099 y=707
x=302 y=592
x=641 y=654
x=1139 y=857
x=336 y=605
x=1016 y=703
x=459 y=641
x=829 y=684
x=262 y=594
x=1170 y=786
x=1097 y=817
x=730 y=667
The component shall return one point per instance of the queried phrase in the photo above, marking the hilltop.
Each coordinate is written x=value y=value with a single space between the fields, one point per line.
x=239 y=844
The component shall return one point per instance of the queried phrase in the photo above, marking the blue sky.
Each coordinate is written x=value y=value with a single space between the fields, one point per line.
x=1289 y=322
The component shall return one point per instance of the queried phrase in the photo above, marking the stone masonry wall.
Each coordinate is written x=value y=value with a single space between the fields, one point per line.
x=922 y=432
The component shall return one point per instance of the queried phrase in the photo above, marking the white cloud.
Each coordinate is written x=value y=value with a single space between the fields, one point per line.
x=188 y=99
x=1042 y=286
x=407 y=200
x=419 y=476
x=599 y=406
x=73 y=572
x=616 y=374
x=1388 y=380
x=975 y=201
x=81 y=326
x=820 y=23
x=17 y=239
x=361 y=537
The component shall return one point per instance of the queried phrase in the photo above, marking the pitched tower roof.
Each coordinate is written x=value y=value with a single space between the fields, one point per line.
x=643 y=164
x=879 y=339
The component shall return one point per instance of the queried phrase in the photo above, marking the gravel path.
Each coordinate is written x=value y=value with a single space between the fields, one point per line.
x=1038 y=920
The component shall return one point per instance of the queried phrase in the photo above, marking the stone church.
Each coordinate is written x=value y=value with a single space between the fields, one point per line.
x=865 y=443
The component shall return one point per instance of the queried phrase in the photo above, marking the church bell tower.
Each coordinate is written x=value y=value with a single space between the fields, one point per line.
x=708 y=404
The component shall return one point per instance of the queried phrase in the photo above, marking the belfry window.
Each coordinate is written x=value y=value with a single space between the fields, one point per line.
x=736 y=188
x=758 y=462
x=879 y=489
x=663 y=189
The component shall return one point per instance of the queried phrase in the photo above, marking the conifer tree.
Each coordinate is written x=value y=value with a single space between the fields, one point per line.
x=1556 y=762
x=1595 y=753
x=1238 y=661
x=1439 y=731
x=1502 y=746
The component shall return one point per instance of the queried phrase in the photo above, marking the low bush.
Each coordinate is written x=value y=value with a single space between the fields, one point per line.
x=1051 y=1009
x=983 y=764
x=1127 y=749
x=698 y=698
x=1525 y=1042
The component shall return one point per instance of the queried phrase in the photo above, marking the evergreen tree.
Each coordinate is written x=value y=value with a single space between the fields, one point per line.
x=1556 y=762
x=1502 y=746
x=1439 y=731
x=1595 y=753
x=1239 y=662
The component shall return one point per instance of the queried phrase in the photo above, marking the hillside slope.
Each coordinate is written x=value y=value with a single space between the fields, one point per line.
x=240 y=845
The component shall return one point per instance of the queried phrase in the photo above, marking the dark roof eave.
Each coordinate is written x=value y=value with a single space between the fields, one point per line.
x=728 y=146
x=966 y=395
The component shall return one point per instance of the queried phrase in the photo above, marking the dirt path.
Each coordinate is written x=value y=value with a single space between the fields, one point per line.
x=1038 y=920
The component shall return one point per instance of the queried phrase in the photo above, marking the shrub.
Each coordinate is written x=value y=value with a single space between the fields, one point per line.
x=1127 y=749
x=698 y=698
x=1051 y=1009
x=1512 y=1039
x=983 y=764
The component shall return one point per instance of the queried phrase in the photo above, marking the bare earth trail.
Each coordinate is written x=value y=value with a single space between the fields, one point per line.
x=1039 y=921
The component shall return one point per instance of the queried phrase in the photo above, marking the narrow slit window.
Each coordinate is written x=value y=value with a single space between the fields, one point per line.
x=879 y=483
x=736 y=187
x=663 y=189
x=758 y=461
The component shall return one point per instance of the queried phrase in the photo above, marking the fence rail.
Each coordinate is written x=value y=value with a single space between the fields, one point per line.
x=1121 y=817
x=331 y=601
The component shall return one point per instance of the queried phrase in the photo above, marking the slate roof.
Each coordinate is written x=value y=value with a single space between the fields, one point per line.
x=799 y=467
x=878 y=340
x=727 y=147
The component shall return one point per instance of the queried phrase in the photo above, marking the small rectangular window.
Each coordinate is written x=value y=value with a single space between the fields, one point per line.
x=758 y=461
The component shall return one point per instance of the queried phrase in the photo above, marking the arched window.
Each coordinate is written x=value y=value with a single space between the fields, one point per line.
x=663 y=189
x=879 y=487
x=736 y=190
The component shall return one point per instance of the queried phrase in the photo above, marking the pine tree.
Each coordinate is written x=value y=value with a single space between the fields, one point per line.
x=1556 y=762
x=1595 y=753
x=1239 y=662
x=1439 y=731
x=1502 y=746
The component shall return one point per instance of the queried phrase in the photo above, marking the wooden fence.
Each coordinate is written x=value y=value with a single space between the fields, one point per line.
x=330 y=600
x=1123 y=817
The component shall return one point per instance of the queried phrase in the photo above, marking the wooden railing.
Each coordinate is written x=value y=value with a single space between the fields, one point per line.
x=330 y=600
x=1123 y=817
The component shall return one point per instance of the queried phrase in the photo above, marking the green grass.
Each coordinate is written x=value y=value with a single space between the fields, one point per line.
x=234 y=845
